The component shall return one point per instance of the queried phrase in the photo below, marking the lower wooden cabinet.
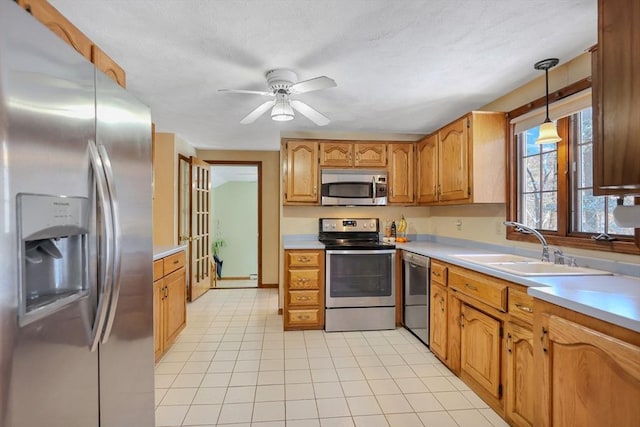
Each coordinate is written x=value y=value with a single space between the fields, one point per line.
x=519 y=390
x=480 y=349
x=438 y=321
x=588 y=378
x=169 y=301
x=304 y=289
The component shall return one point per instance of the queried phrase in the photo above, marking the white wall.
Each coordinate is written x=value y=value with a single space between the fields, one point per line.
x=234 y=208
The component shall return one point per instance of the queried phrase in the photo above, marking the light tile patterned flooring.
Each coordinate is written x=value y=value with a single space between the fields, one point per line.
x=222 y=283
x=234 y=366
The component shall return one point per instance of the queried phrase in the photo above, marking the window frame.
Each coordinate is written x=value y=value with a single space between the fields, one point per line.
x=563 y=236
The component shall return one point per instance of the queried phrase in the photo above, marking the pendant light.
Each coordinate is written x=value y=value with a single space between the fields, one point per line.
x=548 y=133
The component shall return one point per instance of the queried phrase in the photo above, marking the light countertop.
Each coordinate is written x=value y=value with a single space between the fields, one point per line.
x=303 y=244
x=162 y=251
x=614 y=299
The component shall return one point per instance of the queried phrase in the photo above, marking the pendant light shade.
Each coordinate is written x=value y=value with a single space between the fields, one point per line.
x=548 y=133
x=282 y=110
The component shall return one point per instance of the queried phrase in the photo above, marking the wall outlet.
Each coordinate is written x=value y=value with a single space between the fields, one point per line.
x=459 y=224
x=499 y=228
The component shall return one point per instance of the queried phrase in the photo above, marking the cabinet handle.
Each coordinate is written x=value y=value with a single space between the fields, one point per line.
x=304 y=258
x=524 y=308
x=315 y=190
x=473 y=288
x=461 y=320
x=509 y=343
x=304 y=317
x=435 y=273
x=176 y=261
x=303 y=298
x=303 y=280
x=442 y=304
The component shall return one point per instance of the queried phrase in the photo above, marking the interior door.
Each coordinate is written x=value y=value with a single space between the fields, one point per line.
x=199 y=245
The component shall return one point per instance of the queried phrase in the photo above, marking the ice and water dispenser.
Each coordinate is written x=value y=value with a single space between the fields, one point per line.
x=53 y=254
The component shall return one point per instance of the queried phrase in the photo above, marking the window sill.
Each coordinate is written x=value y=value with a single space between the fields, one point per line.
x=626 y=246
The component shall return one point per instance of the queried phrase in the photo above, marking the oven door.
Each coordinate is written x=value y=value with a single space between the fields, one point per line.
x=360 y=278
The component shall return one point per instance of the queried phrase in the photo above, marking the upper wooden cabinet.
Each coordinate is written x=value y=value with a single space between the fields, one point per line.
x=340 y=154
x=49 y=16
x=616 y=98
x=108 y=66
x=370 y=154
x=300 y=171
x=468 y=158
x=401 y=175
x=427 y=176
x=56 y=22
x=336 y=154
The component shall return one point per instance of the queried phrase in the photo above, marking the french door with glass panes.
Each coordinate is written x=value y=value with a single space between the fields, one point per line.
x=194 y=208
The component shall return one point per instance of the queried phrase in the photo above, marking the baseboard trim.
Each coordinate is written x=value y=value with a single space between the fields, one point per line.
x=268 y=285
x=234 y=278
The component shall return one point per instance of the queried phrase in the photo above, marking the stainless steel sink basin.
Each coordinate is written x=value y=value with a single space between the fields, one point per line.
x=539 y=268
x=523 y=266
x=493 y=258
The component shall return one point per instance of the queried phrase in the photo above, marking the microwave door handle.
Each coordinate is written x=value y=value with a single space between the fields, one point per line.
x=374 y=189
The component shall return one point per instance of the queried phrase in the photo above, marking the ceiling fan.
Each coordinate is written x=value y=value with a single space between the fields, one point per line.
x=281 y=83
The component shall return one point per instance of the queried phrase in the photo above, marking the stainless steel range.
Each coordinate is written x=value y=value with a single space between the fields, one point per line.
x=360 y=275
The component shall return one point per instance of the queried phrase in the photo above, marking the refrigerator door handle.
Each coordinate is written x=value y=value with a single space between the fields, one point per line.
x=105 y=282
x=117 y=240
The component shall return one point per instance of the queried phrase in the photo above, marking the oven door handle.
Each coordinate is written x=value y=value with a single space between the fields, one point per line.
x=373 y=187
x=360 y=252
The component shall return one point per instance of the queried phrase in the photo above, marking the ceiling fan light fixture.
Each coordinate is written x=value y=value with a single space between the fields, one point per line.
x=547 y=133
x=282 y=111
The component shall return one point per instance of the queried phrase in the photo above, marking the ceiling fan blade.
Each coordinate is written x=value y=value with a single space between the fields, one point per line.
x=252 y=116
x=310 y=113
x=250 y=92
x=322 y=82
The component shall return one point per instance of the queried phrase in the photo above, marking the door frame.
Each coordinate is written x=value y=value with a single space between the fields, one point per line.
x=258 y=165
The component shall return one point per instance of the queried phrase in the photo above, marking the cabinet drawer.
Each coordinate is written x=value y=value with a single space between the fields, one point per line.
x=304 y=279
x=158 y=269
x=304 y=297
x=438 y=273
x=483 y=288
x=520 y=305
x=304 y=259
x=173 y=262
x=303 y=317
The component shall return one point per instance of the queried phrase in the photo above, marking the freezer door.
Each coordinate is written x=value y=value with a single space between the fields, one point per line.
x=123 y=137
x=48 y=376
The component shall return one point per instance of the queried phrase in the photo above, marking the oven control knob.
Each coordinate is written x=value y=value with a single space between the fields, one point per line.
x=333 y=226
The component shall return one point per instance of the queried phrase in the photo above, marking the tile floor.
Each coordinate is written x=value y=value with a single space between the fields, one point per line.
x=234 y=366
x=222 y=283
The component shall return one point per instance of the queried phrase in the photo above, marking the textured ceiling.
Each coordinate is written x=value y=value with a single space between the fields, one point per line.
x=402 y=66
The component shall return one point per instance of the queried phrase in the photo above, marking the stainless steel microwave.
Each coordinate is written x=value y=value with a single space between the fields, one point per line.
x=353 y=187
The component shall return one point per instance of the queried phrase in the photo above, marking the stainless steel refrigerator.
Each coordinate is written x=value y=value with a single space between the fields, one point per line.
x=76 y=309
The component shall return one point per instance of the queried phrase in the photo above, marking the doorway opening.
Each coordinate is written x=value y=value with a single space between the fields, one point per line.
x=235 y=225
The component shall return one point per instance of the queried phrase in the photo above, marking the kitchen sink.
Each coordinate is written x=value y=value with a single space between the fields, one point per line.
x=493 y=258
x=523 y=266
x=539 y=268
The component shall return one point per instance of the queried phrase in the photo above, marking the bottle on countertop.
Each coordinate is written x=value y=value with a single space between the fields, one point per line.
x=387 y=228
x=393 y=229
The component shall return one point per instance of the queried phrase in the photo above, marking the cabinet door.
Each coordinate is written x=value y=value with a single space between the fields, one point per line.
x=400 y=173
x=480 y=349
x=158 y=318
x=590 y=379
x=336 y=154
x=428 y=169
x=370 y=155
x=438 y=321
x=108 y=66
x=453 y=162
x=519 y=391
x=301 y=172
x=616 y=98
x=176 y=305
x=52 y=19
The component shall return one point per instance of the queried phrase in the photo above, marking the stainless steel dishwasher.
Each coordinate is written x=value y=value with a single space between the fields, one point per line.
x=416 y=294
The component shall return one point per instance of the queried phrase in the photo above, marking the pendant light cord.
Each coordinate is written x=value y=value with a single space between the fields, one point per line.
x=546 y=79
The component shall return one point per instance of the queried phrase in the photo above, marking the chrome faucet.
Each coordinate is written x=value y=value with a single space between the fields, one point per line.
x=528 y=230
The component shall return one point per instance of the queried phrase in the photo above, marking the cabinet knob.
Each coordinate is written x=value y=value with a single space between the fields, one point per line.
x=524 y=308
x=473 y=288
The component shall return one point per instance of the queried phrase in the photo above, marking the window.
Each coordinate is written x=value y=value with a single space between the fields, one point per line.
x=551 y=186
